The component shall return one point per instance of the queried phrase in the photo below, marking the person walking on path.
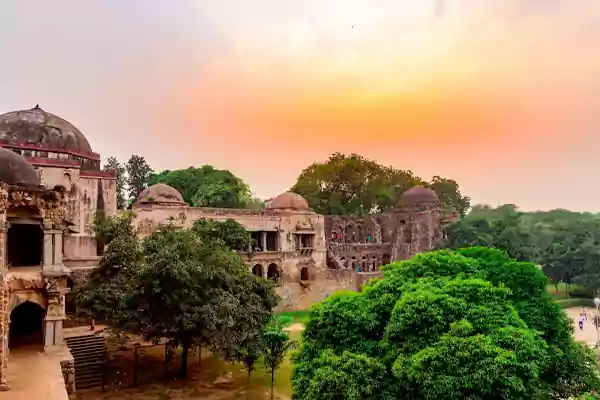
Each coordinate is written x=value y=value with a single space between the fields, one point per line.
x=584 y=313
x=581 y=321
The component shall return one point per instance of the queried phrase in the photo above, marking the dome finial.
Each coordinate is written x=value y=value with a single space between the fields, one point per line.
x=37 y=107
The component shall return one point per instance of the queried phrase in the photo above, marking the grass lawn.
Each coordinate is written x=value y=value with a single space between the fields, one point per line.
x=300 y=316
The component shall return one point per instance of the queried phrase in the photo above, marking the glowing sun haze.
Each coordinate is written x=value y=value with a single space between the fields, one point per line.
x=497 y=94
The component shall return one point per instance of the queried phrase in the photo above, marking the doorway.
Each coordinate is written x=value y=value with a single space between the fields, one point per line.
x=25 y=245
x=26 y=325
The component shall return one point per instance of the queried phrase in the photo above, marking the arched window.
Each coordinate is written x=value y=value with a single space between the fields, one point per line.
x=273 y=272
x=258 y=270
x=365 y=264
x=374 y=263
x=304 y=274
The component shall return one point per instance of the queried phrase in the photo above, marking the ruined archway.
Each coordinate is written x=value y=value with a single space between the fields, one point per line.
x=304 y=274
x=25 y=245
x=258 y=270
x=273 y=272
x=26 y=325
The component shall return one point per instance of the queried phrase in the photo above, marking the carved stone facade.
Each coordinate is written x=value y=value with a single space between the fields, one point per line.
x=40 y=286
x=308 y=254
x=364 y=244
x=51 y=187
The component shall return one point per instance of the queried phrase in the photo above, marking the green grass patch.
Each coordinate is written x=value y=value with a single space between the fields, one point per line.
x=300 y=316
x=575 y=302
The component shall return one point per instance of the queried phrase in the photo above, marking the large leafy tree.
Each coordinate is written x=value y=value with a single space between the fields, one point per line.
x=112 y=164
x=208 y=187
x=188 y=286
x=471 y=323
x=355 y=185
x=138 y=176
x=107 y=292
x=196 y=291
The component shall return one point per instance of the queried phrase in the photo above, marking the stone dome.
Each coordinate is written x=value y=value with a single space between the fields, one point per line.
x=161 y=194
x=418 y=195
x=15 y=170
x=38 y=127
x=288 y=201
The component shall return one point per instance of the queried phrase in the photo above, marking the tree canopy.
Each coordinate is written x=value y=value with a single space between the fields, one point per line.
x=138 y=175
x=354 y=185
x=208 y=187
x=187 y=286
x=566 y=244
x=112 y=164
x=467 y=324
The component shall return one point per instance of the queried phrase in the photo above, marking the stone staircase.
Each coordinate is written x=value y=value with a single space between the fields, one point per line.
x=89 y=353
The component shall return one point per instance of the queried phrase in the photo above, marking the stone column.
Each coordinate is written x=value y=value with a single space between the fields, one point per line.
x=52 y=249
x=55 y=314
x=263 y=238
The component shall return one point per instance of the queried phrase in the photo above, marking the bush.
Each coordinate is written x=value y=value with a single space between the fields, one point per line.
x=471 y=323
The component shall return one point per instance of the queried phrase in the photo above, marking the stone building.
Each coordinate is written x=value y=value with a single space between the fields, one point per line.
x=311 y=255
x=289 y=243
x=51 y=187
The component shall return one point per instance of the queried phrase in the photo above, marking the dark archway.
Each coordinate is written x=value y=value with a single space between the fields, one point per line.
x=344 y=262
x=273 y=272
x=258 y=270
x=304 y=274
x=386 y=259
x=26 y=325
x=25 y=245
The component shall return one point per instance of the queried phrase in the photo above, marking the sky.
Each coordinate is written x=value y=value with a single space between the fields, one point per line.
x=500 y=95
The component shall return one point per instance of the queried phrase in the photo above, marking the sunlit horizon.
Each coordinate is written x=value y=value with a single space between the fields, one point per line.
x=497 y=95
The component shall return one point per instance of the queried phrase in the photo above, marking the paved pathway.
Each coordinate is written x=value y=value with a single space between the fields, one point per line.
x=588 y=334
x=33 y=375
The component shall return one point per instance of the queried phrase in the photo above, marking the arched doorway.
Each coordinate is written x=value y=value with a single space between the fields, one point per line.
x=26 y=325
x=258 y=270
x=273 y=272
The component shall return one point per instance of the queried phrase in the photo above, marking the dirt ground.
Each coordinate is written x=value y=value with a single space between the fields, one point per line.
x=210 y=379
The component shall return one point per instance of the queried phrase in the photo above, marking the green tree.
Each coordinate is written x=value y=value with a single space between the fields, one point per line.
x=112 y=164
x=472 y=323
x=248 y=354
x=276 y=345
x=196 y=291
x=354 y=185
x=186 y=286
x=106 y=294
x=208 y=187
x=449 y=193
x=229 y=232
x=138 y=176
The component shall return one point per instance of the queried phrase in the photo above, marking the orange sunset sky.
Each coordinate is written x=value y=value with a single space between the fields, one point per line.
x=501 y=95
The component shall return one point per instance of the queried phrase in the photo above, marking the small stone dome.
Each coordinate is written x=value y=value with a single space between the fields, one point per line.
x=15 y=170
x=288 y=201
x=38 y=127
x=418 y=195
x=161 y=194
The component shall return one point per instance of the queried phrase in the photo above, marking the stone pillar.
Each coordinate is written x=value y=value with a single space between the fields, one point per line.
x=263 y=239
x=55 y=314
x=52 y=249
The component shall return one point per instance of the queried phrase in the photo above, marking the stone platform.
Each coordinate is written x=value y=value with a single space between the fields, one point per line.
x=33 y=374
